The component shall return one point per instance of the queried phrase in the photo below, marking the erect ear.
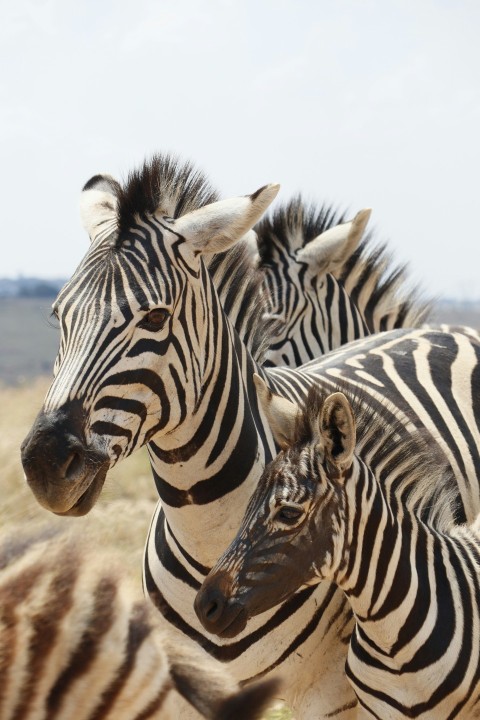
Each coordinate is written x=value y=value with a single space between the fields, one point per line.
x=251 y=243
x=98 y=205
x=215 y=227
x=280 y=413
x=337 y=428
x=328 y=251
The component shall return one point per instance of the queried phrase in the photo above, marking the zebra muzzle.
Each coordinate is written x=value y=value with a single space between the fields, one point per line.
x=219 y=614
x=65 y=473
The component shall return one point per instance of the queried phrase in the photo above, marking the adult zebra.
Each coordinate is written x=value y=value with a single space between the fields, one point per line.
x=328 y=283
x=322 y=511
x=148 y=355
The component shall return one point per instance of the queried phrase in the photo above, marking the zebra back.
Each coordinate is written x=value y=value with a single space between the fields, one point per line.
x=78 y=641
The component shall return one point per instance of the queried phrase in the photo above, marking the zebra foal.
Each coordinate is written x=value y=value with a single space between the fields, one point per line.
x=321 y=512
x=77 y=643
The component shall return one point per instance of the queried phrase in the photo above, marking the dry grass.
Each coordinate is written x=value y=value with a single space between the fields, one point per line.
x=120 y=520
x=122 y=515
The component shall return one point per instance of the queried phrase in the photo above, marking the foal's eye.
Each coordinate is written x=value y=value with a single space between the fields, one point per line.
x=289 y=514
x=155 y=319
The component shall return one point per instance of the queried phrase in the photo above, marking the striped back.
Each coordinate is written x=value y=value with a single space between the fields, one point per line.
x=78 y=642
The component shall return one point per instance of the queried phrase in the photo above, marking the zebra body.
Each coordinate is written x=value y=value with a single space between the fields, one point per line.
x=320 y=512
x=78 y=642
x=326 y=285
x=149 y=355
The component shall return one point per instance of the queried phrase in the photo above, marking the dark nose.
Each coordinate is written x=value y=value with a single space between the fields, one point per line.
x=56 y=441
x=219 y=611
x=54 y=452
x=209 y=605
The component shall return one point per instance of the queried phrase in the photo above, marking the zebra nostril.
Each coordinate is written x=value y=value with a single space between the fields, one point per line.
x=209 y=606
x=213 y=611
x=73 y=465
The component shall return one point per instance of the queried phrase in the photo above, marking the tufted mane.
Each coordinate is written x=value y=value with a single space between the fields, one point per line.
x=293 y=225
x=162 y=182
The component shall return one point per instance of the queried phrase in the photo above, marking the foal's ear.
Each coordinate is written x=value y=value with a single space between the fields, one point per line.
x=337 y=428
x=215 y=227
x=98 y=205
x=280 y=413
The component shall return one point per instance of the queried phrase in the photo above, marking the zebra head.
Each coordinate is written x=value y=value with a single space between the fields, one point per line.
x=304 y=252
x=293 y=531
x=138 y=327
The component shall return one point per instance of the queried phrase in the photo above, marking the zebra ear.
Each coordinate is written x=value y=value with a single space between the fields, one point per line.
x=215 y=227
x=281 y=413
x=251 y=244
x=333 y=247
x=337 y=428
x=98 y=205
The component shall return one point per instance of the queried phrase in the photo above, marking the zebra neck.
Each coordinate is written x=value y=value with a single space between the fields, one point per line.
x=206 y=471
x=378 y=559
x=402 y=579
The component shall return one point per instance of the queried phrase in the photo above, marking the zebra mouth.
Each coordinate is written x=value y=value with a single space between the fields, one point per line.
x=87 y=500
x=236 y=623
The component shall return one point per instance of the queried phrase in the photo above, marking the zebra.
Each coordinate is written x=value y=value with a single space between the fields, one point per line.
x=78 y=641
x=322 y=511
x=325 y=285
x=148 y=355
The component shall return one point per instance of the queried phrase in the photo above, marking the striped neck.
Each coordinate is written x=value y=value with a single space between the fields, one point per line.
x=386 y=569
x=205 y=471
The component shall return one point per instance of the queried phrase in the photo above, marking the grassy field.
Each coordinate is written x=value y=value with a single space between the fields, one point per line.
x=120 y=520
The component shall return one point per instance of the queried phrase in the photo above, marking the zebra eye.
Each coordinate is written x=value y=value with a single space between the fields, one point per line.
x=155 y=319
x=289 y=514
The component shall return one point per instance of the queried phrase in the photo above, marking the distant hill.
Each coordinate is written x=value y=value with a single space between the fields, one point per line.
x=29 y=336
x=30 y=287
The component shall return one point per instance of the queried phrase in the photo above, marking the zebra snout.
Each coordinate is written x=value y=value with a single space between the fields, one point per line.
x=209 y=606
x=60 y=467
x=219 y=614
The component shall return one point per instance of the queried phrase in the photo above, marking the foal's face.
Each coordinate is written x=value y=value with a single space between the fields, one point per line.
x=293 y=530
x=289 y=539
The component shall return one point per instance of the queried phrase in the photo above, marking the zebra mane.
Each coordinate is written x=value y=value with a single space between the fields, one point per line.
x=241 y=291
x=292 y=226
x=409 y=469
x=165 y=183
x=178 y=188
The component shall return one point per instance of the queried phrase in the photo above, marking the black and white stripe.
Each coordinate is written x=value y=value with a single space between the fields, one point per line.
x=149 y=356
x=326 y=285
x=78 y=642
x=351 y=510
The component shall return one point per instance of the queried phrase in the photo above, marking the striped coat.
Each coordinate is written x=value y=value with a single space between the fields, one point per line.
x=349 y=509
x=78 y=643
x=154 y=352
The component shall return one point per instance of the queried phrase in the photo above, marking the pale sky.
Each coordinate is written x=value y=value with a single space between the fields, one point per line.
x=362 y=103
